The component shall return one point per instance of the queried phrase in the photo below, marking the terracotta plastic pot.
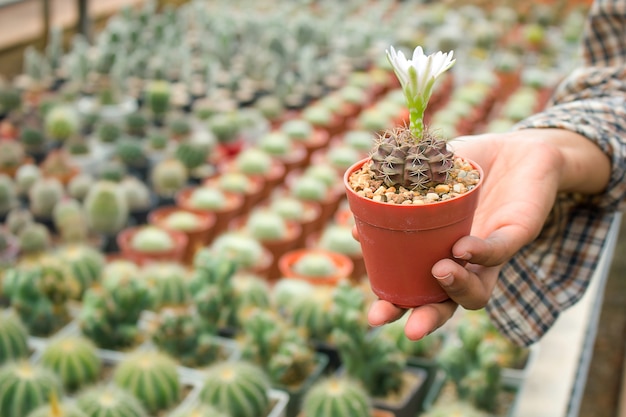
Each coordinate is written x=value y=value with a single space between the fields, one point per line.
x=175 y=254
x=401 y=243
x=343 y=263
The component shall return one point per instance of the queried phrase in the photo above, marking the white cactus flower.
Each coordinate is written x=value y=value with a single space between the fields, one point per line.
x=417 y=77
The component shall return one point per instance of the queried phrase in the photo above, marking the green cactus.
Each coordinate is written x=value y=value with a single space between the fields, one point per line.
x=157 y=96
x=336 y=396
x=8 y=194
x=168 y=283
x=79 y=186
x=131 y=153
x=288 y=207
x=339 y=239
x=34 y=239
x=275 y=143
x=25 y=387
x=108 y=132
x=44 y=195
x=158 y=141
x=85 y=263
x=109 y=401
x=13 y=338
x=341 y=157
x=298 y=130
x=137 y=194
x=234 y=182
x=309 y=188
x=250 y=291
x=25 y=176
x=149 y=238
x=152 y=377
x=427 y=347
x=39 y=294
x=456 y=362
x=179 y=127
x=70 y=220
x=239 y=388
x=110 y=313
x=315 y=265
x=11 y=154
x=207 y=198
x=359 y=140
x=246 y=251
x=182 y=220
x=168 y=177
x=192 y=154
x=270 y=106
x=179 y=332
x=266 y=225
x=136 y=124
x=10 y=99
x=312 y=313
x=61 y=122
x=472 y=328
x=106 y=208
x=323 y=172
x=225 y=126
x=32 y=138
x=54 y=409
x=17 y=219
x=253 y=161
x=74 y=359
x=112 y=170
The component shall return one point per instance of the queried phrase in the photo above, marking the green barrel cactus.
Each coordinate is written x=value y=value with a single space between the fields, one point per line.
x=43 y=196
x=312 y=314
x=109 y=401
x=207 y=198
x=34 y=239
x=25 y=387
x=79 y=186
x=309 y=188
x=238 y=388
x=246 y=251
x=336 y=396
x=108 y=131
x=131 y=153
x=70 y=220
x=192 y=154
x=136 y=124
x=106 y=208
x=13 y=338
x=315 y=265
x=339 y=239
x=266 y=225
x=149 y=238
x=61 y=122
x=17 y=219
x=152 y=377
x=74 y=359
x=168 y=283
x=55 y=409
x=168 y=177
x=253 y=161
x=157 y=95
x=85 y=262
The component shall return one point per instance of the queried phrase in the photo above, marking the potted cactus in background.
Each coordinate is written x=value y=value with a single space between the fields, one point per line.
x=402 y=192
x=25 y=387
x=315 y=265
x=150 y=243
x=106 y=208
x=14 y=343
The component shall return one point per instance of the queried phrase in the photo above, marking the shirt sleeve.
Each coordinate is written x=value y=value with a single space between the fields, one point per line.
x=553 y=272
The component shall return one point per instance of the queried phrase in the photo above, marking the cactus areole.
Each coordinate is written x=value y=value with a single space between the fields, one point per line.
x=412 y=198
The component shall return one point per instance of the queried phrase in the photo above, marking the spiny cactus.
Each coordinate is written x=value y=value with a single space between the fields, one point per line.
x=339 y=239
x=70 y=220
x=110 y=312
x=179 y=333
x=108 y=132
x=130 y=151
x=192 y=154
x=85 y=262
x=34 y=239
x=44 y=195
x=251 y=291
x=17 y=219
x=137 y=194
x=315 y=265
x=13 y=338
x=11 y=154
x=168 y=283
x=8 y=194
x=62 y=122
x=336 y=396
x=25 y=176
x=309 y=188
x=312 y=314
x=152 y=377
x=149 y=238
x=253 y=161
x=427 y=347
x=266 y=225
x=109 y=401
x=106 y=208
x=79 y=186
x=25 y=387
x=56 y=409
x=39 y=294
x=74 y=359
x=238 y=388
x=168 y=177
x=246 y=251
x=136 y=124
x=112 y=170
x=207 y=198
x=157 y=96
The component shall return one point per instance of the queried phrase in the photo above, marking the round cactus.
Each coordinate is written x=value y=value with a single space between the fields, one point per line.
x=13 y=338
x=342 y=157
x=8 y=194
x=11 y=154
x=239 y=388
x=251 y=291
x=312 y=313
x=108 y=132
x=25 y=387
x=112 y=170
x=454 y=409
x=207 y=198
x=152 y=377
x=266 y=225
x=34 y=238
x=323 y=172
x=253 y=161
x=44 y=195
x=151 y=239
x=336 y=396
x=309 y=188
x=167 y=283
x=246 y=251
x=85 y=262
x=192 y=154
x=339 y=239
x=25 y=176
x=62 y=122
x=314 y=265
x=79 y=186
x=106 y=208
x=297 y=129
x=17 y=219
x=275 y=143
x=157 y=95
x=168 y=177
x=137 y=194
x=360 y=140
x=54 y=409
x=70 y=220
x=74 y=359
x=136 y=124
x=182 y=220
x=289 y=208
x=131 y=153
x=109 y=401
x=234 y=182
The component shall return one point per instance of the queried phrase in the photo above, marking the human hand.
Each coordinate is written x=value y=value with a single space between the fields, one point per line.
x=523 y=171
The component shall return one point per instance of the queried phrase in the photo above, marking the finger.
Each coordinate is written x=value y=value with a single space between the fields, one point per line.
x=355 y=233
x=428 y=318
x=383 y=312
x=494 y=250
x=464 y=285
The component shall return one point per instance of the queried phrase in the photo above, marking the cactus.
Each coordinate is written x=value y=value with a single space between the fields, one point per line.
x=158 y=141
x=85 y=262
x=275 y=143
x=225 y=126
x=253 y=161
x=110 y=313
x=323 y=172
x=297 y=129
x=427 y=347
x=359 y=140
x=266 y=225
x=312 y=313
x=17 y=219
x=108 y=132
x=74 y=359
x=109 y=401
x=136 y=124
x=39 y=294
x=8 y=194
x=25 y=387
x=34 y=239
x=207 y=198
x=250 y=291
x=79 y=186
x=182 y=220
x=239 y=388
x=11 y=154
x=44 y=195
x=138 y=196
x=157 y=94
x=61 y=122
x=342 y=157
x=339 y=239
x=10 y=99
x=309 y=188
x=234 y=182
x=456 y=362
x=336 y=396
x=57 y=164
x=112 y=170
x=130 y=152
x=180 y=334
x=150 y=376
x=192 y=154
x=289 y=208
x=179 y=127
x=167 y=283
x=54 y=409
x=32 y=139
x=246 y=251
x=315 y=265
x=106 y=208
x=70 y=220
x=149 y=238
x=25 y=176
x=168 y=177
x=13 y=338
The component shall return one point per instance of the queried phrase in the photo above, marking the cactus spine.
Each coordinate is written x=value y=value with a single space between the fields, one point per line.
x=25 y=387
x=13 y=338
x=109 y=401
x=336 y=396
x=238 y=388
x=74 y=359
x=150 y=376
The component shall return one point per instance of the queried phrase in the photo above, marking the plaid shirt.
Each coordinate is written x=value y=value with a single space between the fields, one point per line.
x=553 y=272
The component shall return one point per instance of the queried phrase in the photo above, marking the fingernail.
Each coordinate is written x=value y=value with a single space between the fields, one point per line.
x=446 y=280
x=466 y=256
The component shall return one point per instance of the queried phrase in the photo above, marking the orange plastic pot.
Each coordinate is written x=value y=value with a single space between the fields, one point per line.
x=401 y=243
x=175 y=254
x=287 y=262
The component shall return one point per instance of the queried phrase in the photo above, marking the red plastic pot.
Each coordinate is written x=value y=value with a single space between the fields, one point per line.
x=401 y=243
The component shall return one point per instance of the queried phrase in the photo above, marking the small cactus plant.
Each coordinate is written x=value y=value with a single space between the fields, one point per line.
x=149 y=238
x=11 y=154
x=309 y=188
x=168 y=283
x=339 y=239
x=106 y=208
x=14 y=340
x=315 y=265
x=157 y=96
x=8 y=194
x=44 y=195
x=253 y=161
x=70 y=220
x=79 y=186
x=168 y=177
x=56 y=409
x=34 y=239
x=152 y=377
x=109 y=401
x=74 y=359
x=108 y=131
x=207 y=198
x=17 y=219
x=25 y=387
x=246 y=251
x=192 y=154
x=337 y=396
x=266 y=225
x=62 y=122
x=25 y=176
x=137 y=193
x=238 y=388
x=85 y=262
